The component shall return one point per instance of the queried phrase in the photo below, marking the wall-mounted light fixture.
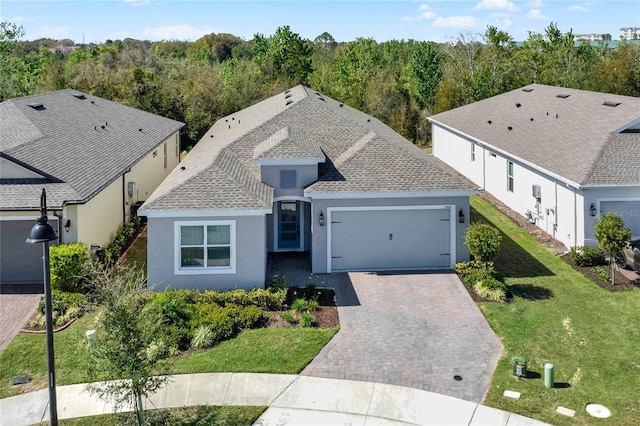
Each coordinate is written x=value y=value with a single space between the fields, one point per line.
x=460 y=216
x=67 y=225
x=593 y=210
x=321 y=219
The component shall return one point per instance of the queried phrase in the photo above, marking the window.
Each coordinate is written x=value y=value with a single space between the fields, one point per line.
x=287 y=178
x=205 y=247
x=509 y=176
x=473 y=152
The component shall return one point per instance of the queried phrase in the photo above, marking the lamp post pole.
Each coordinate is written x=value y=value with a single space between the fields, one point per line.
x=42 y=232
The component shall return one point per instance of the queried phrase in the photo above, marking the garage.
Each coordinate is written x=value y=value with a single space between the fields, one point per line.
x=629 y=211
x=388 y=238
x=21 y=262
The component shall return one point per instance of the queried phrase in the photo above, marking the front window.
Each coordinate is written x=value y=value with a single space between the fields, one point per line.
x=509 y=176
x=205 y=247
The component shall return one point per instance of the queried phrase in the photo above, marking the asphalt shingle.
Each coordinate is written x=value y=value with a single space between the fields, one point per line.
x=81 y=144
x=573 y=137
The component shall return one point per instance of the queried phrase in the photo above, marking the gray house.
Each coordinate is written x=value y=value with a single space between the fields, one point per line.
x=558 y=156
x=97 y=159
x=303 y=172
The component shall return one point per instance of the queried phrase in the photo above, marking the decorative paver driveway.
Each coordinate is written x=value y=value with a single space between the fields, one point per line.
x=17 y=304
x=408 y=329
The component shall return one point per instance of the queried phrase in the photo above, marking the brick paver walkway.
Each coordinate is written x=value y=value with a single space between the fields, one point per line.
x=408 y=329
x=15 y=311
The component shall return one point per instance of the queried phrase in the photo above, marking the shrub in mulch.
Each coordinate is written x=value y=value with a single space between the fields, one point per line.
x=622 y=282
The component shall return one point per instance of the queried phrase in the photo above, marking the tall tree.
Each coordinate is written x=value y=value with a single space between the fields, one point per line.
x=612 y=236
x=283 y=55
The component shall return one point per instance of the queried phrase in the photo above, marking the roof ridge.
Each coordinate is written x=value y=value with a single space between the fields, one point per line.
x=353 y=149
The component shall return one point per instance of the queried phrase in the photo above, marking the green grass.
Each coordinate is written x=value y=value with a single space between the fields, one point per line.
x=265 y=350
x=183 y=416
x=137 y=254
x=558 y=316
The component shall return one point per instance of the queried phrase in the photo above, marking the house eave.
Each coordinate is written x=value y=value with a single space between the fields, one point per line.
x=310 y=161
x=389 y=194
x=202 y=213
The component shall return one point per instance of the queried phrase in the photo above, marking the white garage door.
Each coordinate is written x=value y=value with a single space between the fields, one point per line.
x=390 y=238
x=629 y=211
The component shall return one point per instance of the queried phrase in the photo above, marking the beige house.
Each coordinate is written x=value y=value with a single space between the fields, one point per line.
x=98 y=161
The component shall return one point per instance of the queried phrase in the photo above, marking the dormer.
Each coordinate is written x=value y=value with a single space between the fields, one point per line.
x=288 y=160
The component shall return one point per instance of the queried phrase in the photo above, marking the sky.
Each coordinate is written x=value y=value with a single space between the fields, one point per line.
x=95 y=21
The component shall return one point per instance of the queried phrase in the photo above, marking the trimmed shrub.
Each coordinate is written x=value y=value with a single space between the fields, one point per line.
x=491 y=289
x=110 y=253
x=306 y=319
x=483 y=241
x=173 y=309
x=587 y=256
x=278 y=282
x=69 y=265
x=264 y=299
x=475 y=271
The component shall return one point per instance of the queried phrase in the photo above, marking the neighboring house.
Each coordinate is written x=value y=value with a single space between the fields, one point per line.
x=96 y=159
x=557 y=156
x=303 y=172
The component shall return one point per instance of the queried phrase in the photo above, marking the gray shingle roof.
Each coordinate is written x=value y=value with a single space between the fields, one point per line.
x=572 y=137
x=80 y=144
x=362 y=155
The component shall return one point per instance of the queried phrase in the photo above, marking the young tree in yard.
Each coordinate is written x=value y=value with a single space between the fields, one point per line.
x=483 y=241
x=612 y=236
x=127 y=351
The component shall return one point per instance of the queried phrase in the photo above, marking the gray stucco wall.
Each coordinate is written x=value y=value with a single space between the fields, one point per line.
x=305 y=174
x=251 y=256
x=319 y=237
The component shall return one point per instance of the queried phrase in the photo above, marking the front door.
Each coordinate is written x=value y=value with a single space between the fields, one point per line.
x=289 y=225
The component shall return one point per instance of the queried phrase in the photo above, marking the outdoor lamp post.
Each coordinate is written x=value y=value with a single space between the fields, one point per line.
x=42 y=232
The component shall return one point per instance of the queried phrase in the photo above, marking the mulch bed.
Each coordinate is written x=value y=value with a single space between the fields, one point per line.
x=621 y=281
x=325 y=317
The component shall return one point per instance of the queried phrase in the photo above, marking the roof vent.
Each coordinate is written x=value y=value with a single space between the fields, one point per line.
x=489 y=121
x=321 y=98
x=518 y=104
x=182 y=168
x=289 y=102
x=287 y=91
x=341 y=105
x=531 y=119
x=527 y=89
x=562 y=95
x=317 y=94
x=611 y=103
x=287 y=96
x=38 y=106
x=368 y=120
x=510 y=128
x=80 y=96
x=210 y=136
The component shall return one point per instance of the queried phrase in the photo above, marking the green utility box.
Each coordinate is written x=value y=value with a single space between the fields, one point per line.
x=519 y=365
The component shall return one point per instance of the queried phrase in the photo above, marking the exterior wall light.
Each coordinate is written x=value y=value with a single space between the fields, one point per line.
x=321 y=219
x=593 y=210
x=460 y=216
x=67 y=225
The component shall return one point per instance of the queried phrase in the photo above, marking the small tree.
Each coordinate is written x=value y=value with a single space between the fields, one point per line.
x=483 y=241
x=612 y=236
x=127 y=351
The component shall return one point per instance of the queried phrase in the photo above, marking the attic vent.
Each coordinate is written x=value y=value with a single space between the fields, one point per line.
x=531 y=119
x=611 y=103
x=489 y=121
x=562 y=95
x=80 y=96
x=317 y=93
x=518 y=104
x=287 y=96
x=527 y=89
x=341 y=105
x=287 y=91
x=510 y=128
x=38 y=106
x=321 y=98
x=289 y=102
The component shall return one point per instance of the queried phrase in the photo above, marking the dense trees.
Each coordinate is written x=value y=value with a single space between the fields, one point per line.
x=399 y=82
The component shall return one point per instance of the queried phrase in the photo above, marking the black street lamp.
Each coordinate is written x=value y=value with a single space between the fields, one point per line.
x=42 y=232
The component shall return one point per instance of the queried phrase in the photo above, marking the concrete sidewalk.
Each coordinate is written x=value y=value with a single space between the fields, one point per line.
x=292 y=400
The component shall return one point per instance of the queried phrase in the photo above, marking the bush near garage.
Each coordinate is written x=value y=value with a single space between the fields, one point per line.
x=70 y=264
x=587 y=256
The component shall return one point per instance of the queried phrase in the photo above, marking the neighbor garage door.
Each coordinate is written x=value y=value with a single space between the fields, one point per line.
x=20 y=262
x=629 y=211
x=390 y=238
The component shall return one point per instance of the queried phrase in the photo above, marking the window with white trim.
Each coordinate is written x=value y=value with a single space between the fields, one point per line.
x=509 y=176
x=205 y=247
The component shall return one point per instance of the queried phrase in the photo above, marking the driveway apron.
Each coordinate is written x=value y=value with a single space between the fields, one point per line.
x=420 y=330
x=16 y=307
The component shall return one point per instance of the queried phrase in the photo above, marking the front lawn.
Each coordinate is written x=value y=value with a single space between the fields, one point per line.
x=558 y=316
x=263 y=350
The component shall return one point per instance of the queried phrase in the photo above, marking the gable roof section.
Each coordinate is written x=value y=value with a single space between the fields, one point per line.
x=369 y=157
x=572 y=137
x=288 y=143
x=82 y=143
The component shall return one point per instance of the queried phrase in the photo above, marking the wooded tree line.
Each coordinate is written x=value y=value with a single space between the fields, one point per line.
x=401 y=82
